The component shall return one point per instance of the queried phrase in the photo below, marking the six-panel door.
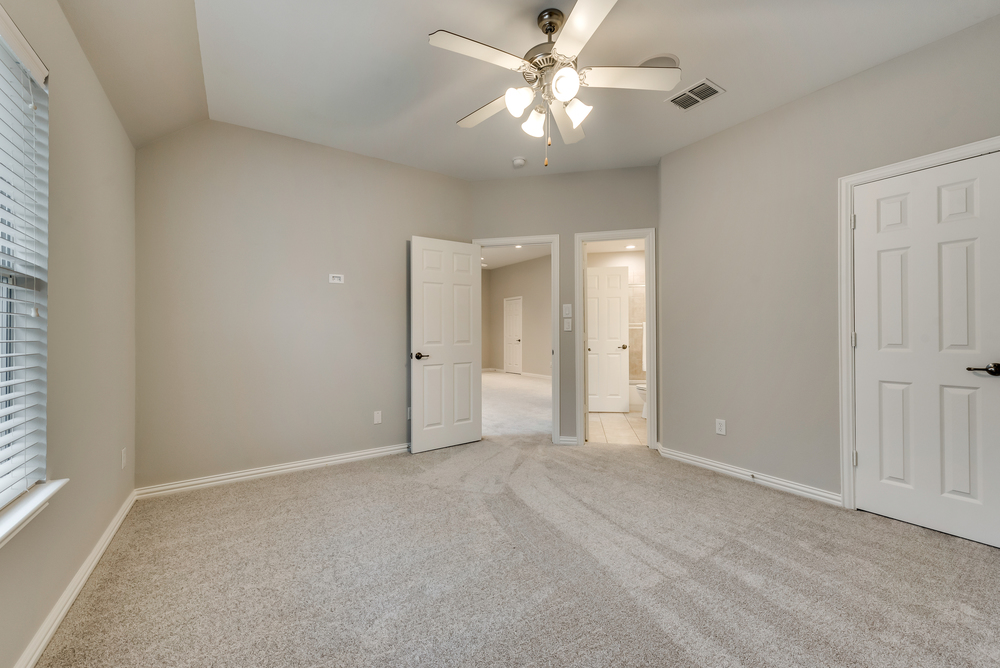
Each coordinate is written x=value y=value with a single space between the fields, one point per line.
x=607 y=339
x=927 y=300
x=446 y=332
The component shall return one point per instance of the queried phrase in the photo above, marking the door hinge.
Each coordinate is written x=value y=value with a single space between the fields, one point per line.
x=855 y=457
x=854 y=339
x=854 y=221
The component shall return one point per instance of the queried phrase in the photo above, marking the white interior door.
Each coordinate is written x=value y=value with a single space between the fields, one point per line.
x=446 y=343
x=606 y=307
x=512 y=334
x=927 y=286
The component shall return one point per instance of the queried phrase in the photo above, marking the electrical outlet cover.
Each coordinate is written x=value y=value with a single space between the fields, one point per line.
x=720 y=427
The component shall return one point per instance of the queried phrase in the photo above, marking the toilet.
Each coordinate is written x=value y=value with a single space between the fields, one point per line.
x=641 y=389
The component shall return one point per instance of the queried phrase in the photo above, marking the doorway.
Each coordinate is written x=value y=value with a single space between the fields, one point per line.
x=615 y=335
x=520 y=335
x=924 y=333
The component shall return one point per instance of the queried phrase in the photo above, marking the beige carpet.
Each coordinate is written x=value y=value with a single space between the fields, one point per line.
x=516 y=552
x=514 y=404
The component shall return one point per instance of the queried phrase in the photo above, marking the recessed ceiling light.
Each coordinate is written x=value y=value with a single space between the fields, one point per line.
x=485 y=265
x=516 y=246
x=630 y=247
x=482 y=258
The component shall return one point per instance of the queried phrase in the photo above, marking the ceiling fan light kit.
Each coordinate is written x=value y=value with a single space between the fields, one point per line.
x=519 y=99
x=535 y=125
x=550 y=68
x=577 y=111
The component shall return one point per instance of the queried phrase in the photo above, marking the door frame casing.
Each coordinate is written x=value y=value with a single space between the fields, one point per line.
x=521 y=301
x=649 y=236
x=846 y=289
x=553 y=241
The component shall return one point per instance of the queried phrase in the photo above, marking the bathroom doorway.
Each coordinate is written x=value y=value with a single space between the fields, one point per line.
x=616 y=322
x=520 y=337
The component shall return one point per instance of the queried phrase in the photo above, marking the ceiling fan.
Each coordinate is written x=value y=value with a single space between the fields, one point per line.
x=550 y=68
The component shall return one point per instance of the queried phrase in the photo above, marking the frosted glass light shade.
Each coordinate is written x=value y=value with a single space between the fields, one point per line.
x=535 y=125
x=565 y=84
x=577 y=111
x=518 y=99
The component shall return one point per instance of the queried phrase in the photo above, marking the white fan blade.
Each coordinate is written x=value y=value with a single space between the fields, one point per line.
x=482 y=113
x=581 y=25
x=469 y=47
x=570 y=135
x=639 y=78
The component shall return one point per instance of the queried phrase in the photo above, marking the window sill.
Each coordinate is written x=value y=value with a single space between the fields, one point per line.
x=16 y=516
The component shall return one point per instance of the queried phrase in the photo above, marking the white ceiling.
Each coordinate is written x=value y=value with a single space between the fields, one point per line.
x=501 y=256
x=360 y=76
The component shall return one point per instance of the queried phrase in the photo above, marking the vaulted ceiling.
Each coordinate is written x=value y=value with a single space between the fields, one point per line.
x=361 y=76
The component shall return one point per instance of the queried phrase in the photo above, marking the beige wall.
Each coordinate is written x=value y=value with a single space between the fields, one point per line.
x=587 y=202
x=531 y=280
x=91 y=331
x=748 y=260
x=636 y=263
x=247 y=355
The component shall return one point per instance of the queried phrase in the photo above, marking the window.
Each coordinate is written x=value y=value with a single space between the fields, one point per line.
x=24 y=157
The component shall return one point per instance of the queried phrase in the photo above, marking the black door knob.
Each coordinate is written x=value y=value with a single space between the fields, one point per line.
x=992 y=369
x=421 y=356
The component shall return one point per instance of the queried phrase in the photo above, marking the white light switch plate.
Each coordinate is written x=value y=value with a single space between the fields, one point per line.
x=720 y=427
x=378 y=417
x=567 y=310
x=567 y=324
x=336 y=278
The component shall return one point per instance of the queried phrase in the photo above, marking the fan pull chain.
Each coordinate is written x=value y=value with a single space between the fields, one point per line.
x=548 y=131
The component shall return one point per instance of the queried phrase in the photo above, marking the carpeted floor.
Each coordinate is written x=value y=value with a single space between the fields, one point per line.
x=516 y=552
x=514 y=404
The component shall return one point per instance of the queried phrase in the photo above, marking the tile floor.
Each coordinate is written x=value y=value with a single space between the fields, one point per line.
x=623 y=428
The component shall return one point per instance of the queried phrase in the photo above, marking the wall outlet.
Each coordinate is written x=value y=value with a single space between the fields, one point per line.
x=720 y=427
x=123 y=458
x=567 y=324
x=336 y=278
x=378 y=417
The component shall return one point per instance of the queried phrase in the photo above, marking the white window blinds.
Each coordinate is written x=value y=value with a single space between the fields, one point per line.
x=24 y=250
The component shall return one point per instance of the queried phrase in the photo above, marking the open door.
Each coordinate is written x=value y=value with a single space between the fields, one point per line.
x=606 y=307
x=446 y=356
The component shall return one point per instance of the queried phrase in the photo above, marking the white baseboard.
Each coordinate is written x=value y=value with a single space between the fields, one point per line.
x=249 y=474
x=568 y=440
x=760 y=478
x=44 y=634
x=536 y=375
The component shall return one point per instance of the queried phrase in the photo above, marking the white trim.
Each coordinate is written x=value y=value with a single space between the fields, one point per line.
x=568 y=440
x=845 y=288
x=48 y=628
x=553 y=241
x=22 y=510
x=536 y=375
x=22 y=50
x=649 y=234
x=762 y=479
x=250 y=474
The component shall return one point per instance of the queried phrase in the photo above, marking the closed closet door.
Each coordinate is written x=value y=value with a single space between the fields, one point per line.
x=927 y=291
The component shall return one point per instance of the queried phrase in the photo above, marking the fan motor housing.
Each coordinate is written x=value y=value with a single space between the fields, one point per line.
x=541 y=58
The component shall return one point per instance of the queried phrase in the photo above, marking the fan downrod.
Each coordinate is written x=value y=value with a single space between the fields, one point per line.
x=550 y=20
